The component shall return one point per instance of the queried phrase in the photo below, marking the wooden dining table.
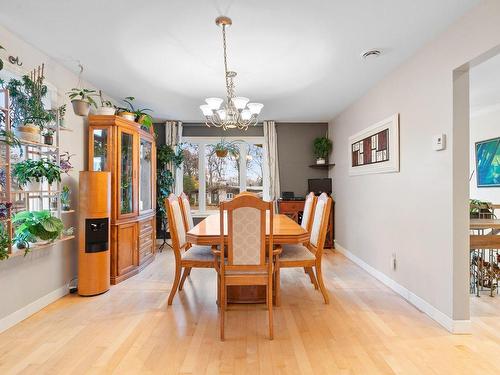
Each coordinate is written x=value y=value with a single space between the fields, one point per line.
x=285 y=231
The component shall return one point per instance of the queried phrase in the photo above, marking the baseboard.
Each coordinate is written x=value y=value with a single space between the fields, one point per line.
x=30 y=309
x=454 y=326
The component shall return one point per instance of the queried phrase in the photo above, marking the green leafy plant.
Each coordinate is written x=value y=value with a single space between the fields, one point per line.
x=84 y=95
x=141 y=114
x=322 y=147
x=65 y=198
x=9 y=138
x=61 y=111
x=34 y=225
x=26 y=102
x=105 y=103
x=167 y=160
x=4 y=243
x=224 y=147
x=36 y=170
x=477 y=207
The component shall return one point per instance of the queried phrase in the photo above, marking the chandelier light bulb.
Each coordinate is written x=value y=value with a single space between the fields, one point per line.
x=240 y=102
x=255 y=108
x=246 y=115
x=222 y=114
x=207 y=111
x=214 y=103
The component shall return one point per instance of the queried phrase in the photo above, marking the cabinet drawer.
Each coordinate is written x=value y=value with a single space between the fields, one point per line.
x=285 y=207
x=145 y=226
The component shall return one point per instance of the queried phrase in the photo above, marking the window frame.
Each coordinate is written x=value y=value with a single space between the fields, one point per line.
x=202 y=143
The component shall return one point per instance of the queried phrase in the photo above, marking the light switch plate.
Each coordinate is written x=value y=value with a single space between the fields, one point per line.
x=439 y=142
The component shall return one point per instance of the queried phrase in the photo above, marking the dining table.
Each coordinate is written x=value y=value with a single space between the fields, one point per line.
x=285 y=231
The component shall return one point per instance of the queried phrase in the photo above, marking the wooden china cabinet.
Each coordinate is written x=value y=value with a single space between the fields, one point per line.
x=129 y=153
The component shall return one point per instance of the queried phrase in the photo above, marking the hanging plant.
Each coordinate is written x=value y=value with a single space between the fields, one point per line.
x=223 y=148
x=81 y=100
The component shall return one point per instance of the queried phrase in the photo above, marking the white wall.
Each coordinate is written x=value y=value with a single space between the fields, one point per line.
x=421 y=212
x=483 y=125
x=28 y=283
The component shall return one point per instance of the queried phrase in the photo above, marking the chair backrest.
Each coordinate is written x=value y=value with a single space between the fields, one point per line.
x=489 y=241
x=187 y=217
x=320 y=223
x=176 y=223
x=246 y=229
x=247 y=193
x=308 y=212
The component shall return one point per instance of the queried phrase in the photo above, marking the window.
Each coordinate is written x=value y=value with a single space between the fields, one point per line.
x=209 y=180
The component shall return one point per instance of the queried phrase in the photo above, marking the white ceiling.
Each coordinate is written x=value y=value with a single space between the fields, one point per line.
x=485 y=86
x=300 y=58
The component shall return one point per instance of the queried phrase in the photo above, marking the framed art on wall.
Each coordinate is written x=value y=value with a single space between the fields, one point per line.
x=376 y=148
x=488 y=163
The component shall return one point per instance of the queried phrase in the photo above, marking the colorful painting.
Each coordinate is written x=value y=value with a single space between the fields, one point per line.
x=488 y=163
x=375 y=149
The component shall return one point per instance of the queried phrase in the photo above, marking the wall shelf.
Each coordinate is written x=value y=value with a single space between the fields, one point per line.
x=321 y=166
x=35 y=246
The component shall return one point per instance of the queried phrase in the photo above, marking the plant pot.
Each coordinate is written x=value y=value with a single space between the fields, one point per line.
x=80 y=107
x=33 y=186
x=221 y=153
x=66 y=207
x=28 y=132
x=127 y=115
x=48 y=139
x=320 y=161
x=106 y=111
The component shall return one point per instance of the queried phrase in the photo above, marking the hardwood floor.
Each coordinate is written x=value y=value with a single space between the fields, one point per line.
x=366 y=329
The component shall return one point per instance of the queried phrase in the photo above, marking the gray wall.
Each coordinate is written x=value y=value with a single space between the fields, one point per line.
x=295 y=154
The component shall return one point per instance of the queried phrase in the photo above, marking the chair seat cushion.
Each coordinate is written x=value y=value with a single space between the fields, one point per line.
x=293 y=252
x=198 y=253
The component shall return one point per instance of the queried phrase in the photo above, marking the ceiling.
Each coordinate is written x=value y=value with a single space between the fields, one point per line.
x=485 y=86
x=300 y=58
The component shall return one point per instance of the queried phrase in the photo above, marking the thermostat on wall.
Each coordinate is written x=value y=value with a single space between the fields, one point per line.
x=439 y=142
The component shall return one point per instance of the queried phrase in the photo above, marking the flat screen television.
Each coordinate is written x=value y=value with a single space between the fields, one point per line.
x=320 y=185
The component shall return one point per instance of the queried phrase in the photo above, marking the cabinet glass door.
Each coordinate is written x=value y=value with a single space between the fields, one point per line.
x=126 y=173
x=100 y=141
x=145 y=175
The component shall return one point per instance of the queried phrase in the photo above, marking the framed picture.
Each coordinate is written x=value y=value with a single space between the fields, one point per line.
x=375 y=149
x=488 y=163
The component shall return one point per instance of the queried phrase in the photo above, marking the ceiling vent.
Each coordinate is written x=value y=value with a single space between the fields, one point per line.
x=371 y=53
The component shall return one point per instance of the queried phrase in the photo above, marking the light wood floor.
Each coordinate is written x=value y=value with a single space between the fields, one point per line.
x=366 y=329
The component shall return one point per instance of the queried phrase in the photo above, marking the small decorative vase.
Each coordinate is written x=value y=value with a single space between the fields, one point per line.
x=80 y=107
x=28 y=132
x=48 y=139
x=320 y=161
x=66 y=207
x=127 y=115
x=106 y=111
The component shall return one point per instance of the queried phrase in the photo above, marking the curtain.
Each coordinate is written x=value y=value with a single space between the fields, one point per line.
x=173 y=138
x=271 y=146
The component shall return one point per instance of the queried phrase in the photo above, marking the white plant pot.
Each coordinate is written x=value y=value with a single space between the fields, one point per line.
x=107 y=111
x=320 y=161
x=80 y=107
x=33 y=186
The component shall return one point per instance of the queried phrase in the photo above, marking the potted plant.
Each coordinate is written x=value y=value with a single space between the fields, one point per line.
x=61 y=113
x=33 y=226
x=5 y=210
x=82 y=99
x=65 y=198
x=28 y=114
x=135 y=114
x=106 y=108
x=9 y=138
x=478 y=207
x=4 y=243
x=223 y=148
x=65 y=162
x=48 y=136
x=322 y=147
x=34 y=171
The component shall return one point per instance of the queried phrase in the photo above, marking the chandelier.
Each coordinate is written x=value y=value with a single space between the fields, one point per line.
x=235 y=111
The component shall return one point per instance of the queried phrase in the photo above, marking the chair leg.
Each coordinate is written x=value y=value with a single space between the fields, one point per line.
x=177 y=277
x=310 y=272
x=185 y=274
x=270 y=306
x=222 y=307
x=277 y=285
x=322 y=287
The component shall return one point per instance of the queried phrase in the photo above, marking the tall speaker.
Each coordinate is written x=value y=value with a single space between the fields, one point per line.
x=94 y=224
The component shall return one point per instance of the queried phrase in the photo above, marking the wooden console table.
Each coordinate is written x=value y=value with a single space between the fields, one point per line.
x=294 y=210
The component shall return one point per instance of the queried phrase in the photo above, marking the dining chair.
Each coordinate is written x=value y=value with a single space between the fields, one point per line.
x=187 y=256
x=187 y=217
x=310 y=254
x=306 y=223
x=247 y=261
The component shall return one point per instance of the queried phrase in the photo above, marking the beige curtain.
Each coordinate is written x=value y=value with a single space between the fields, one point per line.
x=173 y=137
x=271 y=143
